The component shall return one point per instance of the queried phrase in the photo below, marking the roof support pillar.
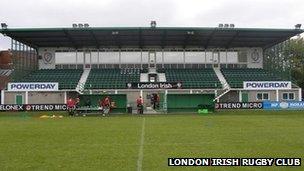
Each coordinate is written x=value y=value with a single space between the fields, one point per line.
x=300 y=94
x=2 y=97
x=277 y=95
x=98 y=58
x=141 y=59
x=184 y=58
x=119 y=58
x=240 y=96
x=26 y=98
x=163 y=58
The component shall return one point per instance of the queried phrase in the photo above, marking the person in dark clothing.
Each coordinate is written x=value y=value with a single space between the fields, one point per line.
x=71 y=105
x=106 y=105
x=140 y=103
x=77 y=104
x=157 y=101
x=88 y=103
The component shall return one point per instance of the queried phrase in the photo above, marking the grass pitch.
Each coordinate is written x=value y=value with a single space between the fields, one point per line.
x=145 y=143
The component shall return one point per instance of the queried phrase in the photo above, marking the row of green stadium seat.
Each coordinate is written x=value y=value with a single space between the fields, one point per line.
x=236 y=77
x=67 y=78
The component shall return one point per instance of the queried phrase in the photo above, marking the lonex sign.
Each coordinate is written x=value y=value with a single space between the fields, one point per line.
x=267 y=85
x=33 y=107
x=158 y=85
x=43 y=86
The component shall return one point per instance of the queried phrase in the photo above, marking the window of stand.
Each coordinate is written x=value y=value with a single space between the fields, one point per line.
x=288 y=96
x=262 y=96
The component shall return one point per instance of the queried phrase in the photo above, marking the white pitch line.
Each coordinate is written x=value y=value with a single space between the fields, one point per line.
x=141 y=147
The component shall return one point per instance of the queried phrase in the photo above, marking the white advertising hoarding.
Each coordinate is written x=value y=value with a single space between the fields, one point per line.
x=41 y=86
x=267 y=85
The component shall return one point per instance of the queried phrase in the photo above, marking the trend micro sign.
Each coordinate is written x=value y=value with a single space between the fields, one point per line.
x=42 y=86
x=267 y=85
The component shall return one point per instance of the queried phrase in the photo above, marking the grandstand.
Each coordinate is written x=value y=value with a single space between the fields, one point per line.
x=207 y=64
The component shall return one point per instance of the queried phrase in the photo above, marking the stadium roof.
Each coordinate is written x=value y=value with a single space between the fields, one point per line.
x=143 y=37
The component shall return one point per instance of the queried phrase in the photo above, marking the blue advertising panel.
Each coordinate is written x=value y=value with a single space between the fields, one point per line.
x=283 y=105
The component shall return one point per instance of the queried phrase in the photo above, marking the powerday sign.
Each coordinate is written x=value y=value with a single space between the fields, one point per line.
x=267 y=85
x=41 y=86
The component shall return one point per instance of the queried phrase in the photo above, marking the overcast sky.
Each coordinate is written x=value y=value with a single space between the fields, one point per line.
x=116 y=13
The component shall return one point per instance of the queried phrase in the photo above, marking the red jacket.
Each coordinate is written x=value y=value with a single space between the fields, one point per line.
x=106 y=102
x=71 y=103
x=140 y=101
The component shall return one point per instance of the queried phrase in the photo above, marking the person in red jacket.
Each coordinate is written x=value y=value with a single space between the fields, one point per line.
x=140 y=105
x=106 y=105
x=71 y=105
x=77 y=105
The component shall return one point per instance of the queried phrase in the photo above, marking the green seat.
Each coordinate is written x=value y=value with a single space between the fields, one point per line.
x=236 y=77
x=67 y=78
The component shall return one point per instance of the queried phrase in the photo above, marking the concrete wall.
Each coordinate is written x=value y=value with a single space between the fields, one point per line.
x=296 y=94
x=131 y=97
x=46 y=97
x=252 y=95
x=273 y=95
x=35 y=97
x=232 y=96
x=10 y=97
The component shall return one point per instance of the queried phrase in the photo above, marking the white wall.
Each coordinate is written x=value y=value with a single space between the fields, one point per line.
x=65 y=57
x=109 y=57
x=195 y=57
x=48 y=58
x=173 y=57
x=255 y=57
x=130 y=57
